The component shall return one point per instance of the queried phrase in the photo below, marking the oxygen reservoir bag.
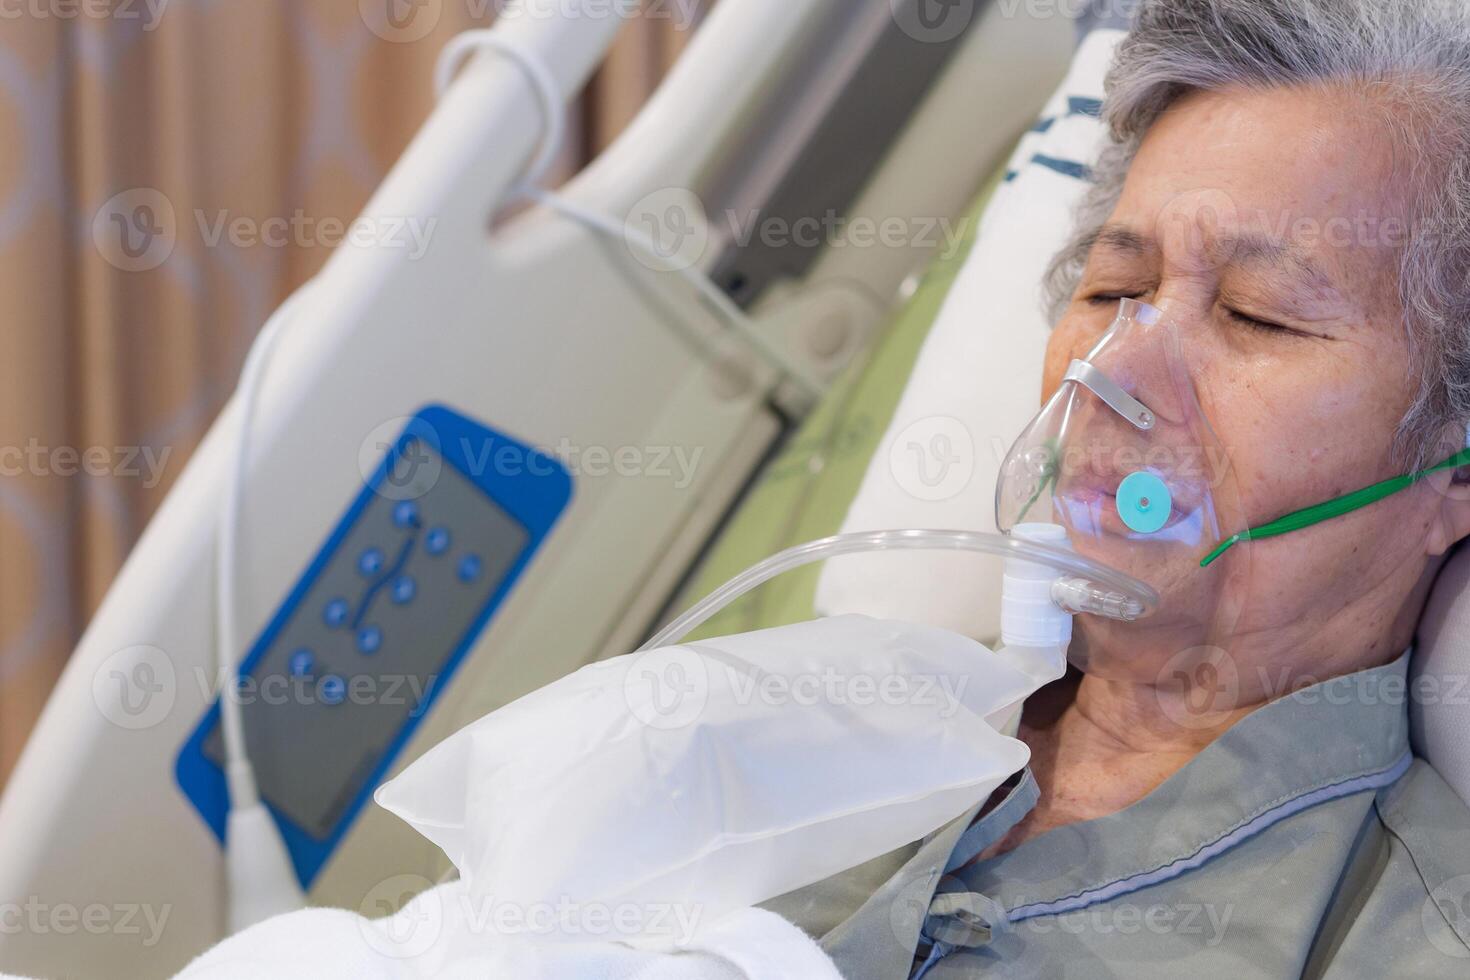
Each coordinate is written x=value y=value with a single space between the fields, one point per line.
x=715 y=775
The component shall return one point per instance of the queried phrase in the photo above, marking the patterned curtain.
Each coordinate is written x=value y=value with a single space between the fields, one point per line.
x=133 y=133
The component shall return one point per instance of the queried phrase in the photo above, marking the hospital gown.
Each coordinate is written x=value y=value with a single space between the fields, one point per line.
x=1306 y=841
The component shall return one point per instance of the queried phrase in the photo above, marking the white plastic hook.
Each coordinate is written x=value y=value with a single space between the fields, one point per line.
x=548 y=93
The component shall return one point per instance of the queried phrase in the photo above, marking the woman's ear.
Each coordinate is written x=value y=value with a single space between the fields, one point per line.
x=1452 y=519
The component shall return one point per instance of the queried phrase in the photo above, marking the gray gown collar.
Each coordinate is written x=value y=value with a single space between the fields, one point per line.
x=1356 y=728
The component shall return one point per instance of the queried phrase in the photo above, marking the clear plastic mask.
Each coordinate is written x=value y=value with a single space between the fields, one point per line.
x=1123 y=457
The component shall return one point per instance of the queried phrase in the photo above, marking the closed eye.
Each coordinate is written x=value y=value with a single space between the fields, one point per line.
x=1111 y=299
x=1256 y=323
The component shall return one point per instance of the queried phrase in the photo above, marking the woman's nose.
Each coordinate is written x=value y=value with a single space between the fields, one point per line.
x=1184 y=303
x=1147 y=362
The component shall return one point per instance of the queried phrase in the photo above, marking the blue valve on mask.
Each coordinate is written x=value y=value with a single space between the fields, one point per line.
x=1144 y=502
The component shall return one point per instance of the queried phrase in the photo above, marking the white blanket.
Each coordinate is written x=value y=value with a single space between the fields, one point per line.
x=443 y=933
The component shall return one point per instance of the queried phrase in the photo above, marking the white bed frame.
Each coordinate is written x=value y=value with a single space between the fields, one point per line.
x=543 y=330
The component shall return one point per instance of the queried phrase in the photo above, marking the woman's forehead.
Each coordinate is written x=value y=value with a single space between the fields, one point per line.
x=1273 y=176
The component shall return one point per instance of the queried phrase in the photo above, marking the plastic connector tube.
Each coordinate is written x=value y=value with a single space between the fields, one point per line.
x=1125 y=596
x=1077 y=596
x=1029 y=616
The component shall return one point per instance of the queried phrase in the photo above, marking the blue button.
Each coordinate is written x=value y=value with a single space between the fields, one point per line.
x=370 y=562
x=469 y=568
x=336 y=613
x=404 y=589
x=437 y=541
x=301 y=663
x=1144 y=502
x=369 y=639
x=332 y=689
x=406 y=513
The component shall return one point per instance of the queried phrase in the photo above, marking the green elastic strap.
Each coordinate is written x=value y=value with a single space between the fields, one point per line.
x=1318 y=513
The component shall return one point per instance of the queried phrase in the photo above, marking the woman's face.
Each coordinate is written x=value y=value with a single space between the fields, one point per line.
x=1269 y=226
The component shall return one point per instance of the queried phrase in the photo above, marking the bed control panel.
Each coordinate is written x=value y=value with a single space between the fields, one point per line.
x=372 y=631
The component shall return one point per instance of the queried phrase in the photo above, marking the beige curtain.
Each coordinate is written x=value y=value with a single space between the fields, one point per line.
x=129 y=130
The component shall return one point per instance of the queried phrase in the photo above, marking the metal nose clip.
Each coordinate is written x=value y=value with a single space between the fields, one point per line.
x=1094 y=380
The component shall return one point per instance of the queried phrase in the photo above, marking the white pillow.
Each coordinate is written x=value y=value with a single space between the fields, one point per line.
x=1439 y=711
x=976 y=384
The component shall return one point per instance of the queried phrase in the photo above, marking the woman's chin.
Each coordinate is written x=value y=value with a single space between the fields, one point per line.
x=1133 y=652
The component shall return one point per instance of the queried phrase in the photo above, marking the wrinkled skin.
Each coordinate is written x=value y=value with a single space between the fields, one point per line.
x=1269 y=226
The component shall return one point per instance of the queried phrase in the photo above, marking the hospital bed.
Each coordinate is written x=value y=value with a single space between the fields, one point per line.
x=482 y=468
x=488 y=333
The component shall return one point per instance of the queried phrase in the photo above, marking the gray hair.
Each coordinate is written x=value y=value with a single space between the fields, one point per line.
x=1412 y=56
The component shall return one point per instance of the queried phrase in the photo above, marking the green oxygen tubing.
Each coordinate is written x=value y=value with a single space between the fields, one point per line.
x=1318 y=513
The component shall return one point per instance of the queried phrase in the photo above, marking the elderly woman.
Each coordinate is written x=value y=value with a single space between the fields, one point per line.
x=1231 y=794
